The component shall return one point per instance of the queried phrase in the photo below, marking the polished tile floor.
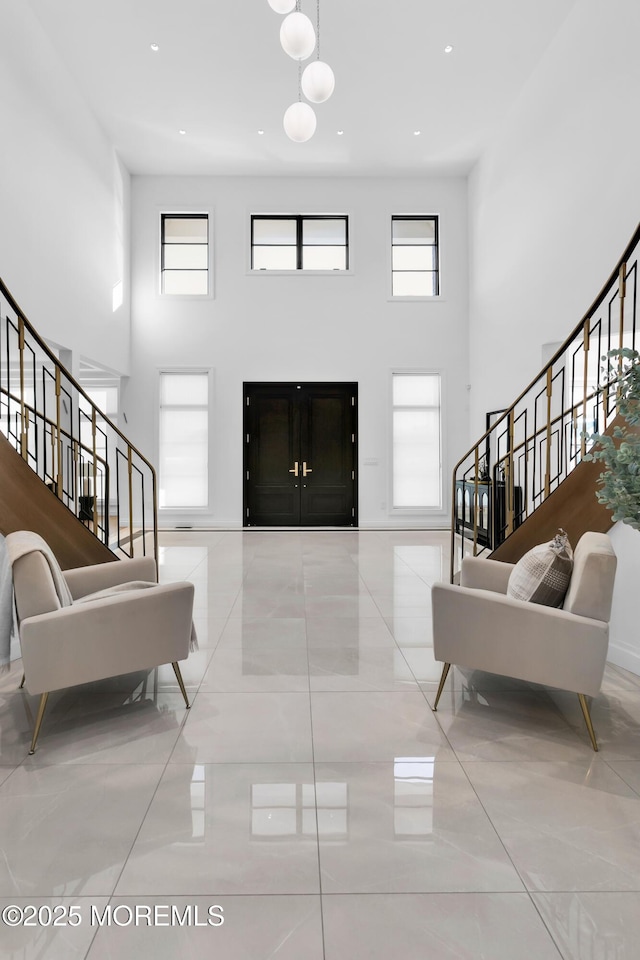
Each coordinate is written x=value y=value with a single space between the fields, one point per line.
x=310 y=792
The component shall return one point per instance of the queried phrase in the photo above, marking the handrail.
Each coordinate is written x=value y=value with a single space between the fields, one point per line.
x=88 y=465
x=516 y=497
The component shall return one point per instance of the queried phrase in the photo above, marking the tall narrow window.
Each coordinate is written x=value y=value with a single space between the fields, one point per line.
x=414 y=257
x=184 y=258
x=281 y=242
x=417 y=479
x=184 y=440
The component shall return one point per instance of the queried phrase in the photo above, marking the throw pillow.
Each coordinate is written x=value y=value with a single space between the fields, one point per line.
x=543 y=574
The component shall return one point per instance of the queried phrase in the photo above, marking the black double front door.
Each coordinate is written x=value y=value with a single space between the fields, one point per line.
x=300 y=442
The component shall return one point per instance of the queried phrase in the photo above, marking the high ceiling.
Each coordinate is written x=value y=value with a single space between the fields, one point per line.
x=221 y=75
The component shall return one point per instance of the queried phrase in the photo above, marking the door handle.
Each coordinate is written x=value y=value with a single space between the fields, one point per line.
x=294 y=469
x=305 y=468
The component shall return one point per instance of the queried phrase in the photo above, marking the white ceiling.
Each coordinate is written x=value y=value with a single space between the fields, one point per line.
x=221 y=75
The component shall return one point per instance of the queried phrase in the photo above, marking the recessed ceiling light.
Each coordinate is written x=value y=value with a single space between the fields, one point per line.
x=154 y=47
x=417 y=133
x=340 y=132
x=261 y=133
x=182 y=133
x=448 y=48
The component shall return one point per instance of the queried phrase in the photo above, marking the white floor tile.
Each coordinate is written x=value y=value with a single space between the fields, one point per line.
x=310 y=790
x=254 y=928
x=583 y=925
x=55 y=928
x=375 y=726
x=414 y=825
x=566 y=826
x=70 y=827
x=464 y=926
x=247 y=727
x=228 y=829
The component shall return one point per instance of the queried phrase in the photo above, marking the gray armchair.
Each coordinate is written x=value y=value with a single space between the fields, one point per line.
x=477 y=625
x=94 y=622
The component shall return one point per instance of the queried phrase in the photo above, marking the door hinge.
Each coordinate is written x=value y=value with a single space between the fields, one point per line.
x=353 y=401
x=248 y=401
x=353 y=438
x=248 y=438
x=353 y=511
x=247 y=511
x=247 y=474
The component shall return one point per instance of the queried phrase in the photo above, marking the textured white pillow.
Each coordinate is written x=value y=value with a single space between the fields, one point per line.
x=543 y=574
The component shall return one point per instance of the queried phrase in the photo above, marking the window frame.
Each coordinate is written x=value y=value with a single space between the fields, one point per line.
x=183 y=371
x=442 y=509
x=299 y=219
x=437 y=272
x=185 y=213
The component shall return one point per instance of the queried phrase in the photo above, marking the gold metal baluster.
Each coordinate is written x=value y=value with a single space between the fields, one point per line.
x=155 y=518
x=53 y=453
x=59 y=483
x=547 y=472
x=94 y=441
x=76 y=469
x=475 y=505
x=586 y=341
x=509 y=476
x=622 y=292
x=24 y=423
x=454 y=507
x=130 y=470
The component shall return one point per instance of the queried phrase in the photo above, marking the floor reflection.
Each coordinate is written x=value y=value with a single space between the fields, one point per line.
x=311 y=790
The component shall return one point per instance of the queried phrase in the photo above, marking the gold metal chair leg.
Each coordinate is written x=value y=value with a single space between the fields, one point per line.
x=176 y=670
x=445 y=672
x=22 y=682
x=587 y=720
x=36 y=729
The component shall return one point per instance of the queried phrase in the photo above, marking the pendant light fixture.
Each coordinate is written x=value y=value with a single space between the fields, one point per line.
x=299 y=39
x=318 y=80
x=299 y=122
x=299 y=119
x=282 y=6
x=297 y=36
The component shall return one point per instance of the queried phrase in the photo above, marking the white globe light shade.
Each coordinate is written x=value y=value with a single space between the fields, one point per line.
x=297 y=36
x=299 y=122
x=282 y=6
x=318 y=81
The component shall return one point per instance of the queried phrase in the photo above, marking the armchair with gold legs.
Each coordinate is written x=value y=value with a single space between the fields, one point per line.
x=93 y=622
x=476 y=625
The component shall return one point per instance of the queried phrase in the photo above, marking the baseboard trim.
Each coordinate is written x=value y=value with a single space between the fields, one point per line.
x=624 y=657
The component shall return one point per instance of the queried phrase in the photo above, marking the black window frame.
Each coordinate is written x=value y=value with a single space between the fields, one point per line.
x=298 y=219
x=436 y=245
x=184 y=215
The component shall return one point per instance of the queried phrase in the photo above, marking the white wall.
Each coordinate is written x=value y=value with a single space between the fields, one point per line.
x=303 y=327
x=64 y=200
x=552 y=205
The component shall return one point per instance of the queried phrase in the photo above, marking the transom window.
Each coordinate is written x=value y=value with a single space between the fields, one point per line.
x=184 y=257
x=414 y=257
x=299 y=242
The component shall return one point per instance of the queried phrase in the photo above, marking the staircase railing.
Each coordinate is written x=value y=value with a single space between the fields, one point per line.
x=533 y=445
x=75 y=449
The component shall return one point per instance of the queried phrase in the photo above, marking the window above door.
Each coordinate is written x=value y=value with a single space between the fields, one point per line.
x=300 y=242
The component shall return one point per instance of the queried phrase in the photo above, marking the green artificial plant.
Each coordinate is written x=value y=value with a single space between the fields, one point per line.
x=619 y=452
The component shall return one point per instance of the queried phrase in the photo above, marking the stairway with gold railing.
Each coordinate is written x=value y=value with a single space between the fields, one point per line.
x=527 y=474
x=66 y=470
